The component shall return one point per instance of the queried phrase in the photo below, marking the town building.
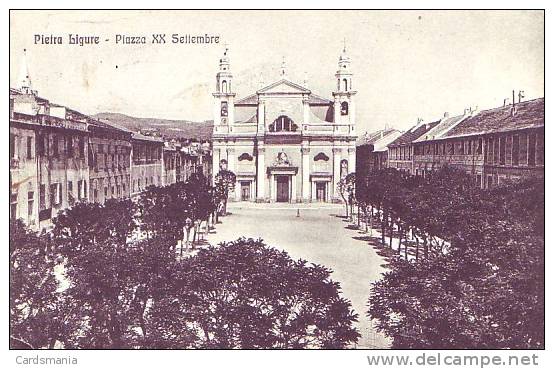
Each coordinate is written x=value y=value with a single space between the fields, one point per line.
x=147 y=162
x=110 y=162
x=59 y=156
x=400 y=151
x=372 y=149
x=283 y=142
x=48 y=157
x=495 y=145
x=172 y=163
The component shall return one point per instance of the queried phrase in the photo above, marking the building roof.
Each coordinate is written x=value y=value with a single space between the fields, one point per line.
x=141 y=137
x=379 y=139
x=529 y=114
x=248 y=100
x=441 y=129
x=318 y=100
x=290 y=87
x=414 y=133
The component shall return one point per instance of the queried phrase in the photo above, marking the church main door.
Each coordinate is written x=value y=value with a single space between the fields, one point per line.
x=320 y=188
x=282 y=188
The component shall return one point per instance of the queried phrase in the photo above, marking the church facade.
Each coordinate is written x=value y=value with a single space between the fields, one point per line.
x=283 y=142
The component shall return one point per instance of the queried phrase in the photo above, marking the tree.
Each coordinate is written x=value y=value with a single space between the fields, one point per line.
x=225 y=183
x=487 y=251
x=243 y=294
x=87 y=223
x=33 y=285
x=346 y=188
x=111 y=290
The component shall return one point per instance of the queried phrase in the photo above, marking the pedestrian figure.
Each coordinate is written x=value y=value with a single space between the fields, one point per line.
x=297 y=213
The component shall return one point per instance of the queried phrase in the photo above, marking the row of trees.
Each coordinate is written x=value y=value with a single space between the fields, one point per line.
x=91 y=284
x=480 y=280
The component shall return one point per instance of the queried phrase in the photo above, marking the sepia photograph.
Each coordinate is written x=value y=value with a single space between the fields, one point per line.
x=276 y=179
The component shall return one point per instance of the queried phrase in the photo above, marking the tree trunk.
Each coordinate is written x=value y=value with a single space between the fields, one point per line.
x=399 y=238
x=391 y=226
x=383 y=226
x=406 y=246
x=417 y=246
x=425 y=247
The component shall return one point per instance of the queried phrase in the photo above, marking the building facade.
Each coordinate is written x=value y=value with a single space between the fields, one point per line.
x=284 y=143
x=59 y=156
x=372 y=150
x=495 y=145
x=110 y=162
x=147 y=162
x=400 y=151
x=48 y=158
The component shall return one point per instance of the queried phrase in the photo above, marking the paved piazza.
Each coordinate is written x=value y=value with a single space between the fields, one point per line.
x=320 y=236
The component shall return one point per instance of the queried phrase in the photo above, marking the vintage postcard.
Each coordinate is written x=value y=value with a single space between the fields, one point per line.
x=277 y=179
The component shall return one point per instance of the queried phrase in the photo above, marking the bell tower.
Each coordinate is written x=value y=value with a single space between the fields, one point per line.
x=344 y=94
x=224 y=98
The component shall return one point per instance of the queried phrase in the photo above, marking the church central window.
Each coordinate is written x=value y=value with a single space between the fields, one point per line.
x=283 y=124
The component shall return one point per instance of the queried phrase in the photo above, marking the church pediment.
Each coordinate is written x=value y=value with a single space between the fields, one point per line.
x=284 y=87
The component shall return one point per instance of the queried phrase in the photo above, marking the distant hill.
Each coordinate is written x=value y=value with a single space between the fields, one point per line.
x=166 y=127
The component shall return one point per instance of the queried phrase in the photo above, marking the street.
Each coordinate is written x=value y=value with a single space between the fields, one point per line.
x=319 y=235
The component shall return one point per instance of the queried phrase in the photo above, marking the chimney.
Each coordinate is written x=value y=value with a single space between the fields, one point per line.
x=446 y=114
x=513 y=112
x=520 y=95
x=506 y=101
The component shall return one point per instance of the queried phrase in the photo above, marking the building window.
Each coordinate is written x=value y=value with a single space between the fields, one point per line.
x=82 y=147
x=523 y=148
x=30 y=204
x=321 y=156
x=70 y=197
x=70 y=146
x=515 y=150
x=42 y=196
x=345 y=84
x=13 y=153
x=502 y=150
x=55 y=151
x=532 y=149
x=55 y=194
x=344 y=108
x=283 y=123
x=540 y=148
x=480 y=147
x=224 y=109
x=29 y=147
x=13 y=205
x=490 y=150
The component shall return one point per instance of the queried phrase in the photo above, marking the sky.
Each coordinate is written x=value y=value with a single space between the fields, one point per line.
x=406 y=64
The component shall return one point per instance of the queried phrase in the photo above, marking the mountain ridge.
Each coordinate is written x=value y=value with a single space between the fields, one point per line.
x=167 y=128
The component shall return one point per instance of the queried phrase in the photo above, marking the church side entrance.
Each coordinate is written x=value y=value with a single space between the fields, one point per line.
x=283 y=191
x=245 y=190
x=320 y=191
